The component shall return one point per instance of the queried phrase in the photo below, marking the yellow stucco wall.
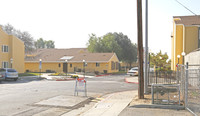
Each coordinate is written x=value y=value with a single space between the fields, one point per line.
x=178 y=44
x=191 y=38
x=17 y=54
x=4 y=57
x=34 y=66
x=185 y=39
x=91 y=66
x=15 y=51
x=54 y=66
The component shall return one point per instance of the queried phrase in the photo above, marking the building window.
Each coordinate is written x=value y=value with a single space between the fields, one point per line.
x=59 y=65
x=4 y=64
x=4 y=48
x=117 y=65
x=97 y=64
x=70 y=65
x=112 y=65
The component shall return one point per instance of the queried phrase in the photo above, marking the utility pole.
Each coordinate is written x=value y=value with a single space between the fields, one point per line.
x=140 y=51
x=146 y=50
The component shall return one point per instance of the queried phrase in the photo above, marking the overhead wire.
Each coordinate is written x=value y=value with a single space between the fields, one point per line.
x=185 y=7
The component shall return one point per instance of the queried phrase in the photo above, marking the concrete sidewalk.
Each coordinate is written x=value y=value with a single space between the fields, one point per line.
x=112 y=104
x=131 y=110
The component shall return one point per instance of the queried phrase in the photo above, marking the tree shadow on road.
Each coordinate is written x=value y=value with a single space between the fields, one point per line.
x=22 y=80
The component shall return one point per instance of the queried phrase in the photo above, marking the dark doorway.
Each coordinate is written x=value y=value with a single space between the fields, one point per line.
x=75 y=69
x=65 y=67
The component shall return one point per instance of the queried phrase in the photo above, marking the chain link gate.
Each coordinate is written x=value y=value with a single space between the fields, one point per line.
x=189 y=78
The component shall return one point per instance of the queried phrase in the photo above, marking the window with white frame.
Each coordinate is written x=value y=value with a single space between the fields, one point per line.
x=4 y=48
x=4 y=64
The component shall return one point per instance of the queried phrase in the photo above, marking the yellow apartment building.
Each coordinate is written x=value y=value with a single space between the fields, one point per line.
x=11 y=52
x=71 y=60
x=185 y=37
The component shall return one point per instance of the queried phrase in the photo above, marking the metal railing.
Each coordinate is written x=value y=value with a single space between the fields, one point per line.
x=161 y=77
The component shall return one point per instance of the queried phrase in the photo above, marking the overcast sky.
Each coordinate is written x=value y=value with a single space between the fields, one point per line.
x=69 y=22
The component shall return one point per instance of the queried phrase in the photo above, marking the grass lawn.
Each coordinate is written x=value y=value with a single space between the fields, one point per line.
x=120 y=72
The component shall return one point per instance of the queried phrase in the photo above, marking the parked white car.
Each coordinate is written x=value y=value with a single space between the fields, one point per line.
x=9 y=73
x=133 y=71
x=1 y=77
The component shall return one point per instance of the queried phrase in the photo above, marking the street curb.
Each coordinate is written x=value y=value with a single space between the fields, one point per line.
x=103 y=75
x=176 y=107
x=64 y=79
x=130 y=82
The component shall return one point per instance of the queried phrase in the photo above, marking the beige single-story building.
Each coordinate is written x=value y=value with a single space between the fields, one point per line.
x=71 y=60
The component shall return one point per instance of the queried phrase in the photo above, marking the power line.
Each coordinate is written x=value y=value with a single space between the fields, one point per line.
x=185 y=7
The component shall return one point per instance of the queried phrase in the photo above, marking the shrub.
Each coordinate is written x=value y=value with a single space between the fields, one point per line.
x=59 y=74
x=74 y=76
x=96 y=72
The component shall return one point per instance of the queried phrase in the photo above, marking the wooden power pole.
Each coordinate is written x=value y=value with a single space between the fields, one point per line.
x=140 y=51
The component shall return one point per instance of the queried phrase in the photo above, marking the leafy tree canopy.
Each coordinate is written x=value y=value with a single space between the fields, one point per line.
x=24 y=36
x=114 y=42
x=40 y=43
x=159 y=59
x=29 y=42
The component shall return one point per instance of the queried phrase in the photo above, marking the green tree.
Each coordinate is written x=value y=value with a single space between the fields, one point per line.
x=49 y=44
x=159 y=59
x=105 y=44
x=94 y=43
x=114 y=42
x=40 y=43
x=109 y=44
x=129 y=50
x=24 y=36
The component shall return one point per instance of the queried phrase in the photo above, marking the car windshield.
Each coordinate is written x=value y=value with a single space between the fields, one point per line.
x=11 y=70
x=134 y=68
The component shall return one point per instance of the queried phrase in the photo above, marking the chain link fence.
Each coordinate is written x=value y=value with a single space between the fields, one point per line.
x=189 y=78
x=181 y=87
x=164 y=87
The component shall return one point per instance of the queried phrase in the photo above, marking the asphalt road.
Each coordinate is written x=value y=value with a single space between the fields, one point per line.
x=19 y=96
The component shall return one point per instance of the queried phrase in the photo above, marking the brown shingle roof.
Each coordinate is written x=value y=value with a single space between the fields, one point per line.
x=188 y=20
x=79 y=54
x=92 y=57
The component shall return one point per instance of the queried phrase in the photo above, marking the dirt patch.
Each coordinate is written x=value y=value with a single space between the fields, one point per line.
x=147 y=100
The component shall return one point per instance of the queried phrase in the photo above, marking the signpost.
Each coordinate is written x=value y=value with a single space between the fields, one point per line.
x=11 y=62
x=40 y=66
x=81 y=82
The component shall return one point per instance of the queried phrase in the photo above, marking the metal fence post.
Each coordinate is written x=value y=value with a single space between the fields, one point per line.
x=152 y=93
x=177 y=75
x=156 y=76
x=186 y=85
